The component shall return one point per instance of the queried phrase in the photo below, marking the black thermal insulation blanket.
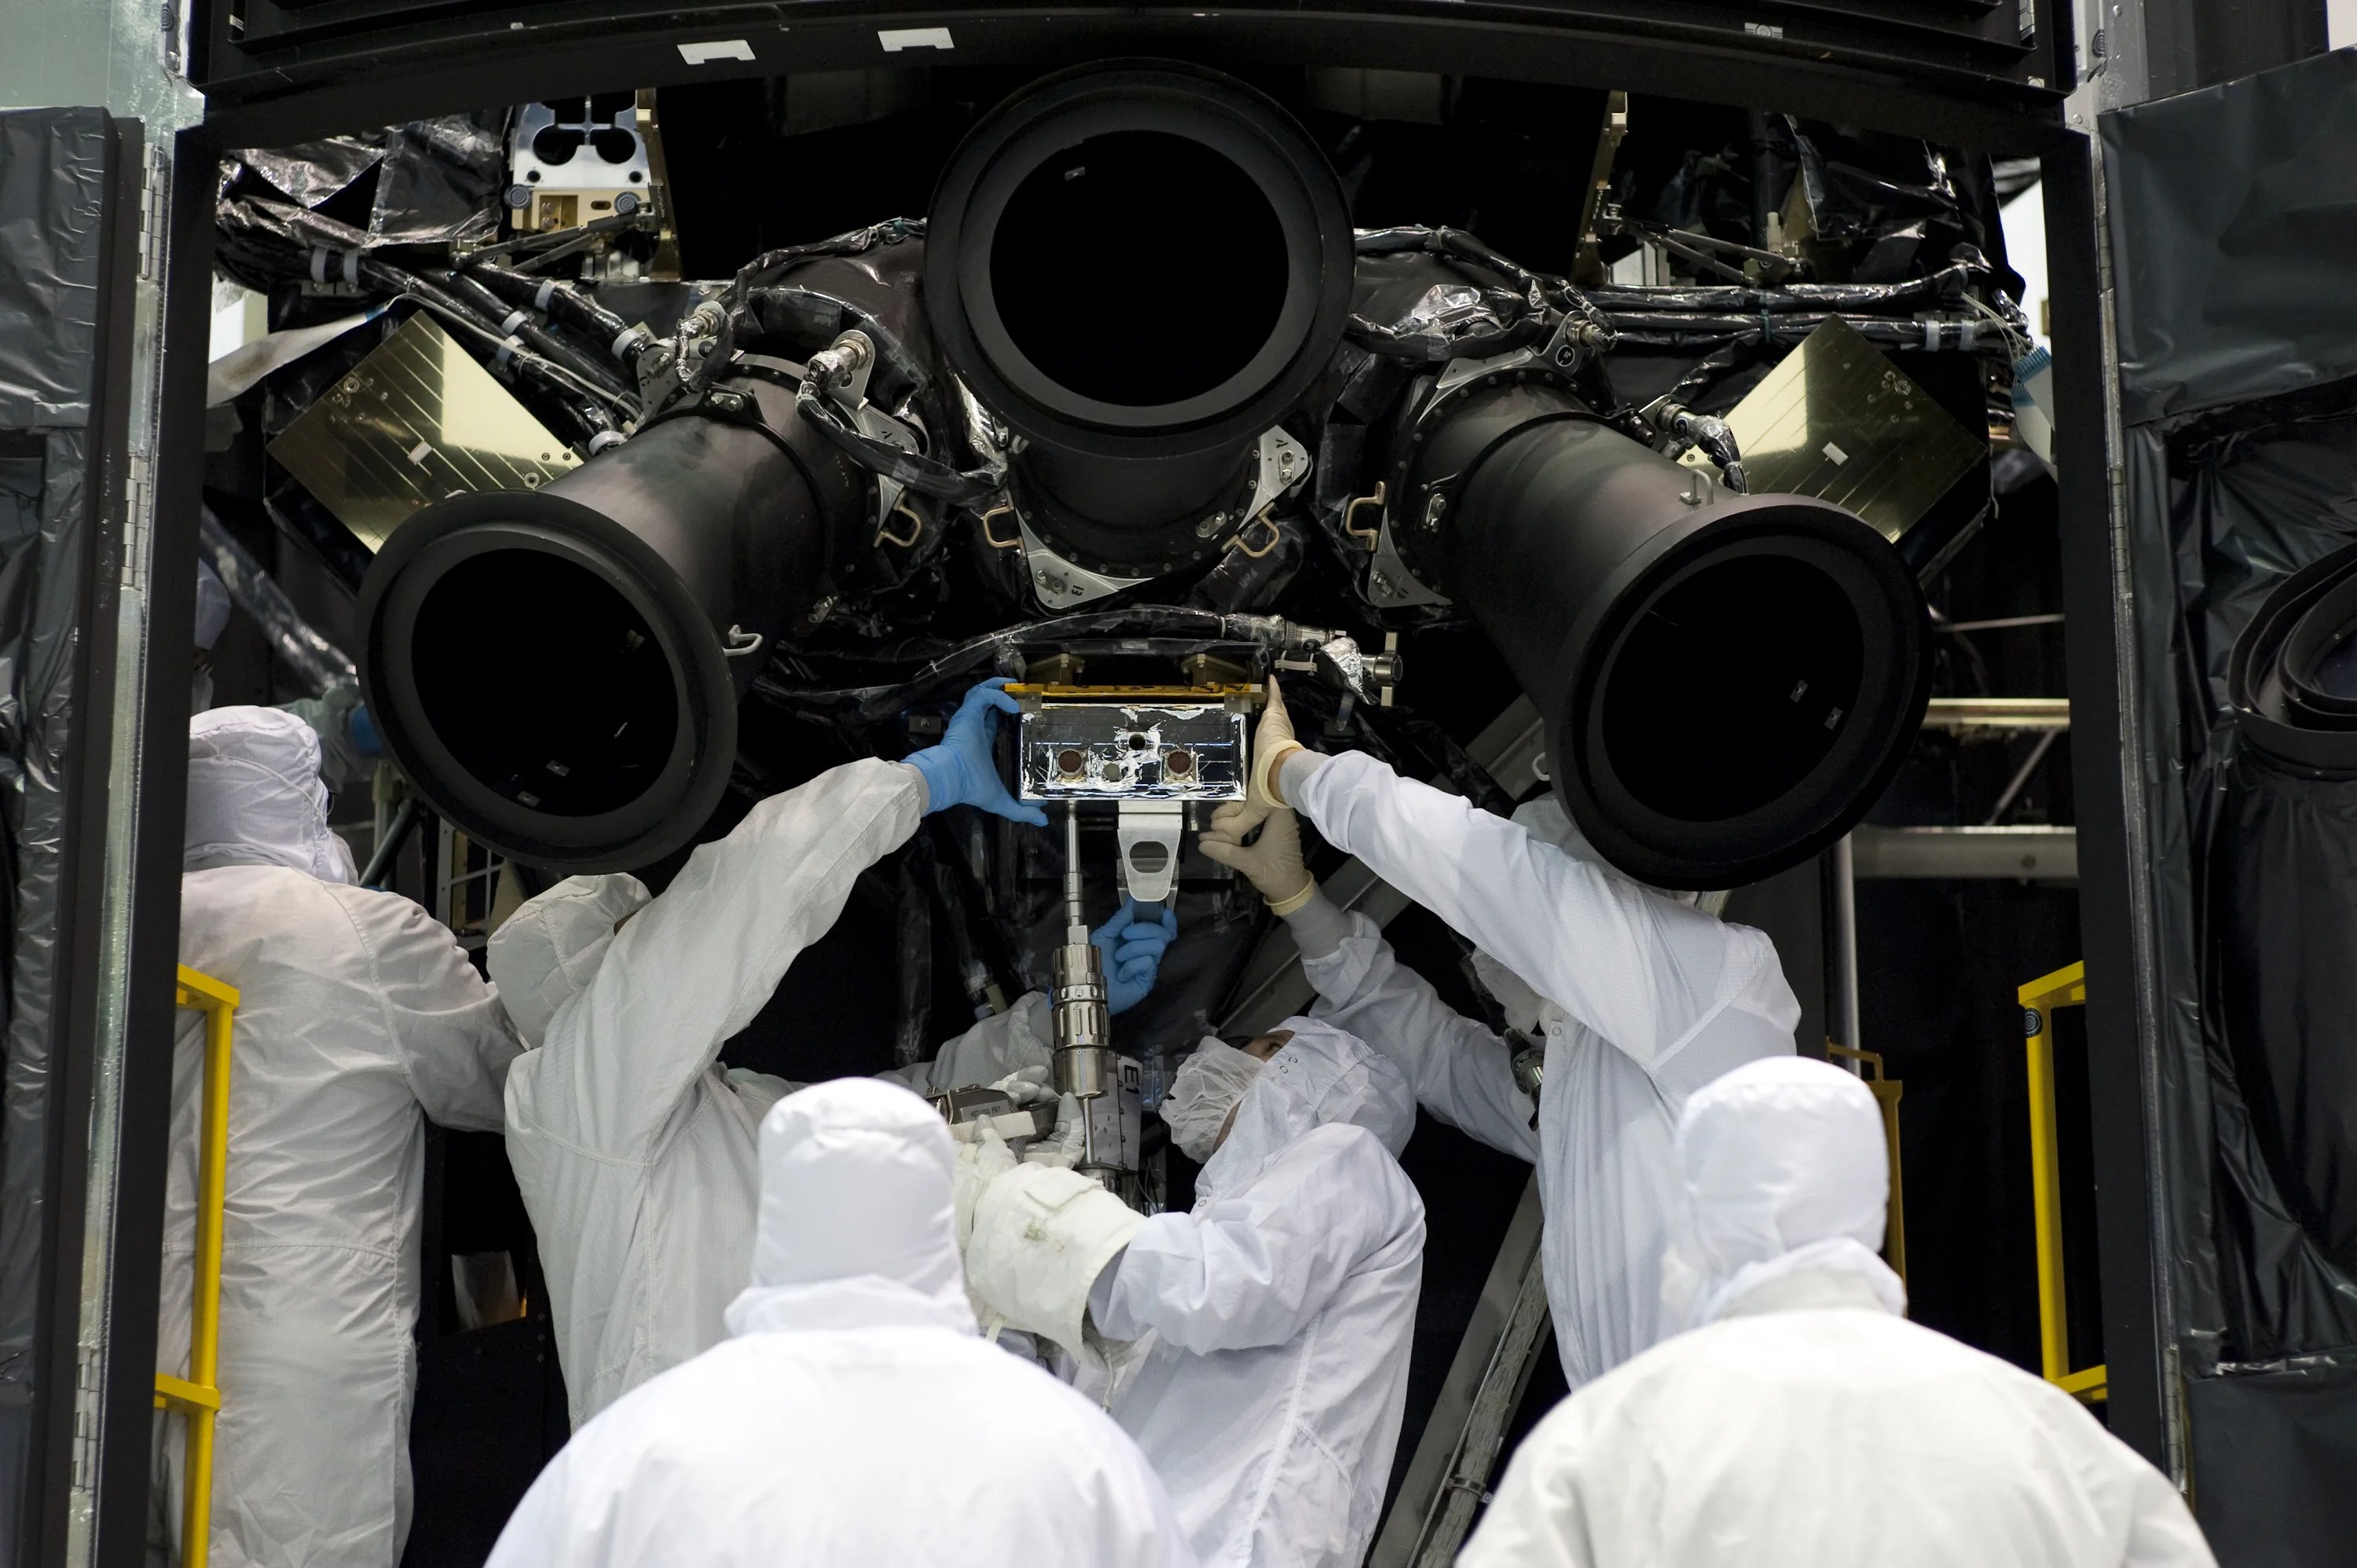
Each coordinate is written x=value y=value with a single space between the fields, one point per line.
x=2233 y=214
x=55 y=173
x=2235 y=217
x=2281 y=993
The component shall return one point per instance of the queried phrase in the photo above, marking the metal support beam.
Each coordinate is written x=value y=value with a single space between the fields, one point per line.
x=1448 y=1478
x=2029 y=855
x=1960 y=714
x=1841 y=943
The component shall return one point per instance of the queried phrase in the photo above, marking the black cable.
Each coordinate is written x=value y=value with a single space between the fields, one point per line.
x=562 y=302
x=516 y=322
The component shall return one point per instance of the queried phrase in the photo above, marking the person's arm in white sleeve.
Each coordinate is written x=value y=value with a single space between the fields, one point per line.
x=693 y=967
x=1461 y=1071
x=1253 y=1269
x=1001 y=1044
x=446 y=1021
x=1638 y=969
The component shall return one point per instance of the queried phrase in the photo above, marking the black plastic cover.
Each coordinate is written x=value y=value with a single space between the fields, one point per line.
x=54 y=173
x=2234 y=216
x=2238 y=382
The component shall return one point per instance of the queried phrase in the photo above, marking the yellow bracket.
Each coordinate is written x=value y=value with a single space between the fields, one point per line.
x=2063 y=988
x=1886 y=1090
x=198 y=1396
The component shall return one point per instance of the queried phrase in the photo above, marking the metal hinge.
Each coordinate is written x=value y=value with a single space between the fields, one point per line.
x=84 y=1477
x=154 y=213
x=138 y=486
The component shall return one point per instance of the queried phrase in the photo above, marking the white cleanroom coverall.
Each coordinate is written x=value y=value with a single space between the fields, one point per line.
x=360 y=1017
x=1643 y=1000
x=1281 y=1308
x=1807 y=1424
x=633 y=1148
x=1275 y=1317
x=854 y=1417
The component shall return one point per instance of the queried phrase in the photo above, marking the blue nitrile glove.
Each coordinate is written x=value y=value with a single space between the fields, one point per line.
x=362 y=729
x=1131 y=944
x=961 y=772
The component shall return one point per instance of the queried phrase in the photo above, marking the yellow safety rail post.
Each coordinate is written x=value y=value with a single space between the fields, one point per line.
x=1886 y=1090
x=2063 y=988
x=198 y=1396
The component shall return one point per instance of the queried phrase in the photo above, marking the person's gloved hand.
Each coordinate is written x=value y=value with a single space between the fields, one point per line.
x=979 y=1162
x=1132 y=943
x=1273 y=742
x=1065 y=1146
x=961 y=772
x=1026 y=1085
x=1272 y=862
x=362 y=729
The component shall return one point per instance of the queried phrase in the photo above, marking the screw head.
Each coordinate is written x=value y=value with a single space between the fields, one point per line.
x=626 y=202
x=519 y=197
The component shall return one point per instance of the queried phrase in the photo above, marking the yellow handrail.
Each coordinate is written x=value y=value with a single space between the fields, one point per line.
x=198 y=1396
x=2063 y=988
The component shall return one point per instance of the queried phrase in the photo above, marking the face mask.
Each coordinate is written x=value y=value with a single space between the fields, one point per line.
x=1207 y=1087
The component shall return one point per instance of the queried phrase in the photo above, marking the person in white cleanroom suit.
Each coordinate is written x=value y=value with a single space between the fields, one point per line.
x=1640 y=997
x=1804 y=1423
x=1278 y=1313
x=633 y=1148
x=349 y=749
x=853 y=1415
x=360 y=1018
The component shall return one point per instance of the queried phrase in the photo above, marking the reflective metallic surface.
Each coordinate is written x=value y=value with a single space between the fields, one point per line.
x=1112 y=750
x=416 y=422
x=1838 y=420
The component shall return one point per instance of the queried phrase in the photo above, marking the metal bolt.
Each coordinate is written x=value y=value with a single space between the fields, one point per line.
x=518 y=195
x=1382 y=584
x=1212 y=525
x=626 y=202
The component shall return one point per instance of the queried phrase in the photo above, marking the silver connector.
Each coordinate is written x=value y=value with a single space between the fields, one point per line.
x=1076 y=915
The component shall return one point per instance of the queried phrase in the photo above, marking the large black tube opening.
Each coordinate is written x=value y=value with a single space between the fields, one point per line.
x=1729 y=681
x=557 y=671
x=1139 y=268
x=1732 y=688
x=1099 y=228
x=604 y=716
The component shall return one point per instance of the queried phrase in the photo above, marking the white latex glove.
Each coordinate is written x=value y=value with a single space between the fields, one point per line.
x=1026 y=1085
x=1065 y=1146
x=1273 y=742
x=980 y=1162
x=1272 y=862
